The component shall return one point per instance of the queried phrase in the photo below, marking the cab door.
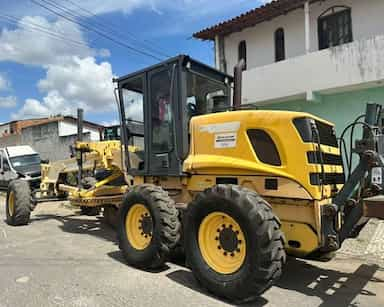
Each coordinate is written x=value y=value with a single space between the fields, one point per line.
x=163 y=121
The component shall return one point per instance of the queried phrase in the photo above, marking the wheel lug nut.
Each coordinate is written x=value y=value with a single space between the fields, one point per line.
x=225 y=253
x=232 y=254
x=238 y=250
x=219 y=247
x=239 y=241
x=217 y=238
x=230 y=226
x=218 y=230
x=237 y=232
x=223 y=225
x=142 y=233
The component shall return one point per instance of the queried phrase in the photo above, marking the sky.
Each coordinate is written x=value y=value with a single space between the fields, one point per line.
x=50 y=65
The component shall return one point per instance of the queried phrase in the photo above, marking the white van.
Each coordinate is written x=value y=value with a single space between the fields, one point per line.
x=19 y=162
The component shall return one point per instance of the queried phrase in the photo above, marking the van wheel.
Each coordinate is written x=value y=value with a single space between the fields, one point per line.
x=233 y=242
x=18 y=206
x=149 y=226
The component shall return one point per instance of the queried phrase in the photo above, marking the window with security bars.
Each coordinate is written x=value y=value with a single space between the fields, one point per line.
x=335 y=28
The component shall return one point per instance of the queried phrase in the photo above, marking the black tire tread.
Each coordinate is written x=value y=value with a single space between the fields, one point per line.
x=272 y=255
x=23 y=204
x=170 y=225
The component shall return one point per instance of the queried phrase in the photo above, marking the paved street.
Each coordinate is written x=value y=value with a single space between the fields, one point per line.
x=62 y=259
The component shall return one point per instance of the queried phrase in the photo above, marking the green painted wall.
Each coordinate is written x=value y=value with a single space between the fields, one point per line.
x=341 y=109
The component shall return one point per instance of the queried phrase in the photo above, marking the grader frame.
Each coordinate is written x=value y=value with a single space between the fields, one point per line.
x=226 y=183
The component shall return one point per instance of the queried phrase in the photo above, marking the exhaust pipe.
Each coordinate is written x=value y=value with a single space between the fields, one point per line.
x=79 y=153
x=238 y=79
x=80 y=123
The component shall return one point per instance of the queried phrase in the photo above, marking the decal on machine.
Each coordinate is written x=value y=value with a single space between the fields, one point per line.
x=220 y=128
x=225 y=140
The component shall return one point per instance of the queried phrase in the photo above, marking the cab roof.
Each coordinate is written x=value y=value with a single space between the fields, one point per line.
x=181 y=59
x=17 y=151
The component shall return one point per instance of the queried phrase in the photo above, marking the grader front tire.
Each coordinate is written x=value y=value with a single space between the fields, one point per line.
x=18 y=206
x=233 y=242
x=149 y=226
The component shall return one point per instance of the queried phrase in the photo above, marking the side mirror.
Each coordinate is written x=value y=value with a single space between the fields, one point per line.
x=45 y=161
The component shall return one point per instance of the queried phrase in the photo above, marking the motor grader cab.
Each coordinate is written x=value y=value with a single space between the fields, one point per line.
x=163 y=98
x=235 y=188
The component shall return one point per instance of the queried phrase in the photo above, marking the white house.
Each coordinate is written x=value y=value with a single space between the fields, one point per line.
x=321 y=56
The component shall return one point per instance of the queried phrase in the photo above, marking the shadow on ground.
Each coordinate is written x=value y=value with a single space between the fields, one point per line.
x=77 y=224
x=333 y=287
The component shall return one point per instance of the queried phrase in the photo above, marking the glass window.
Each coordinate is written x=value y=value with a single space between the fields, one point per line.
x=4 y=161
x=112 y=133
x=205 y=96
x=133 y=98
x=161 y=110
x=279 y=45
x=23 y=163
x=133 y=94
x=6 y=167
x=264 y=147
x=243 y=52
x=335 y=28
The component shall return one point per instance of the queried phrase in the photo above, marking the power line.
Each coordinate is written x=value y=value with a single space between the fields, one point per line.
x=39 y=28
x=32 y=27
x=90 y=28
x=115 y=29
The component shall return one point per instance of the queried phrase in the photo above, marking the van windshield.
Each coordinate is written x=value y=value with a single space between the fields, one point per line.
x=25 y=163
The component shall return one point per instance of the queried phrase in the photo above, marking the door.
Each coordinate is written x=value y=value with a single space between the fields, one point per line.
x=6 y=174
x=132 y=96
x=162 y=125
x=1 y=169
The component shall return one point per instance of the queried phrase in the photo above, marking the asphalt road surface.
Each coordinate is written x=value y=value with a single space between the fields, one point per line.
x=63 y=259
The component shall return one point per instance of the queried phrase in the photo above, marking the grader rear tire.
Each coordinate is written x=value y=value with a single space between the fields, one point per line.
x=233 y=242
x=149 y=226
x=18 y=206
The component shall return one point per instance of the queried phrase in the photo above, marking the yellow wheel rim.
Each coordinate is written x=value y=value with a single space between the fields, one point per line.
x=11 y=203
x=139 y=226
x=222 y=243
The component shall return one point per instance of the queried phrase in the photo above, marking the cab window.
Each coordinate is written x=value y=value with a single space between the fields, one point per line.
x=205 y=96
x=133 y=98
x=161 y=112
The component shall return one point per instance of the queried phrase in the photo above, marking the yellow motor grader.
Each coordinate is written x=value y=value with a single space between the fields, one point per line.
x=236 y=188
